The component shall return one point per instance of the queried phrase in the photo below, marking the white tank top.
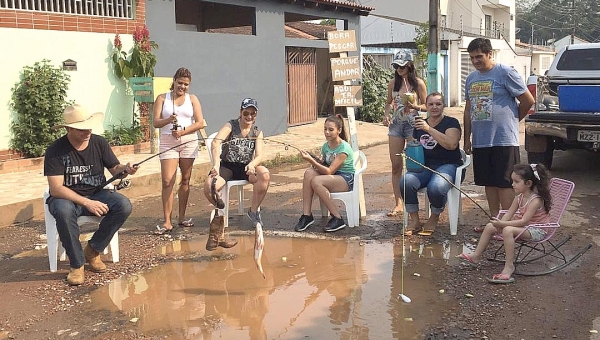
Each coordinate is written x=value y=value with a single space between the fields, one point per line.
x=185 y=113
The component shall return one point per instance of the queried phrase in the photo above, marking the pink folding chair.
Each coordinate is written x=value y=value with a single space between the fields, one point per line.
x=527 y=252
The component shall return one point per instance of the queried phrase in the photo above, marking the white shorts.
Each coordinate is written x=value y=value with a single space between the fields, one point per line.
x=188 y=150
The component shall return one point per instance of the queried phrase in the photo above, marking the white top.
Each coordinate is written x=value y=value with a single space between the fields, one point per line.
x=185 y=113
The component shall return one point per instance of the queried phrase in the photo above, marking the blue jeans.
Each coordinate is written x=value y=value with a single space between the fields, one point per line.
x=66 y=213
x=437 y=187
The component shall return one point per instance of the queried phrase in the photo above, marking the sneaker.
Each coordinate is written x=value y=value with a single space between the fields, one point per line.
x=335 y=224
x=304 y=222
x=255 y=217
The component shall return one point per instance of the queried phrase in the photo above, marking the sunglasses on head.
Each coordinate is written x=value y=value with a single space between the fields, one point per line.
x=249 y=113
x=399 y=67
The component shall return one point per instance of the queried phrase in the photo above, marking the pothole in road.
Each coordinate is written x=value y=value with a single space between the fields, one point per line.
x=314 y=289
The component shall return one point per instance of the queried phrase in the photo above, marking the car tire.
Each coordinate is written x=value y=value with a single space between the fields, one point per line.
x=542 y=157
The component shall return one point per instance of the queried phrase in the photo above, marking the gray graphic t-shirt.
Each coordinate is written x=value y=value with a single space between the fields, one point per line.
x=237 y=148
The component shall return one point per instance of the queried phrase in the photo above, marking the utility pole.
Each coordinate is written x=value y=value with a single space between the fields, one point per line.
x=531 y=52
x=434 y=80
x=572 y=22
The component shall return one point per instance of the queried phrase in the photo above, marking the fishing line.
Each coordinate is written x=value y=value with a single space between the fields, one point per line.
x=405 y=218
x=404 y=155
x=122 y=173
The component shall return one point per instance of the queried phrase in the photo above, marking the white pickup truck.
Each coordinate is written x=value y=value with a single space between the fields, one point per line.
x=567 y=110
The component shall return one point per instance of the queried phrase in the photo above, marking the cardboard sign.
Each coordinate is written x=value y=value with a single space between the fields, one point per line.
x=347 y=95
x=341 y=41
x=345 y=68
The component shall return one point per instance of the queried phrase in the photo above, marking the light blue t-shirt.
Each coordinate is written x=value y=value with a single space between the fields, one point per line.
x=329 y=155
x=494 y=109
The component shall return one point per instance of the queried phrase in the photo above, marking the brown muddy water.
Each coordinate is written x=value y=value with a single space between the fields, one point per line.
x=314 y=289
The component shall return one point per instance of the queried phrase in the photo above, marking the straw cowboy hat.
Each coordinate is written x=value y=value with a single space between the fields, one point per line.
x=78 y=117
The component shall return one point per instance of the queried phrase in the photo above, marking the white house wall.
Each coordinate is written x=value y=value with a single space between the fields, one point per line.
x=92 y=85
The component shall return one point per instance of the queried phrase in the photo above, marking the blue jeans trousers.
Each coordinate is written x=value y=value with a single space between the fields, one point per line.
x=437 y=187
x=66 y=213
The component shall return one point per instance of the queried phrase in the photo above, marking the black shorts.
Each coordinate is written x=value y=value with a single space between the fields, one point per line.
x=493 y=166
x=233 y=171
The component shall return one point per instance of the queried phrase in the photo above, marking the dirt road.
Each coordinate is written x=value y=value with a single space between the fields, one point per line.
x=38 y=304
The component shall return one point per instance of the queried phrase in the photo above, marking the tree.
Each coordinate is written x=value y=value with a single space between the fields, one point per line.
x=422 y=42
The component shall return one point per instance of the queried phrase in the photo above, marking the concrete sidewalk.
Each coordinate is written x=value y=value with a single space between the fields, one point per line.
x=21 y=192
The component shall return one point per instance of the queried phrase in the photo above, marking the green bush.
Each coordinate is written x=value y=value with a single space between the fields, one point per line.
x=122 y=135
x=375 y=82
x=38 y=101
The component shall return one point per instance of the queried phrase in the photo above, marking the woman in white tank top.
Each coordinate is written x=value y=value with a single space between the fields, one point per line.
x=178 y=115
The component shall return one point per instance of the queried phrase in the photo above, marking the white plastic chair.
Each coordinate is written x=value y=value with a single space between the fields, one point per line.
x=455 y=214
x=351 y=199
x=55 y=248
x=230 y=184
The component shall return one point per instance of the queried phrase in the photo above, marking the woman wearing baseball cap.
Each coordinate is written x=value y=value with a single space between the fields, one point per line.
x=406 y=96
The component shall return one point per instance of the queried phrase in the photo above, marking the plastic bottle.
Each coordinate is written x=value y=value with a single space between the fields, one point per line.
x=414 y=150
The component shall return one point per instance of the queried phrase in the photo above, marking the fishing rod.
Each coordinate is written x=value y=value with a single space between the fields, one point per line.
x=122 y=173
x=404 y=155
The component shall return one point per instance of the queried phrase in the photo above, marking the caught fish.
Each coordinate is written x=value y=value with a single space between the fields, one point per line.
x=259 y=245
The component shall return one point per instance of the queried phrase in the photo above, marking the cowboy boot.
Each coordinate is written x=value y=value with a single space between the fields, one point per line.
x=93 y=258
x=215 y=229
x=76 y=276
x=223 y=242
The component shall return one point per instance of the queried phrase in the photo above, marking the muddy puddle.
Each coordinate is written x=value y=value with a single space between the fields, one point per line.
x=314 y=289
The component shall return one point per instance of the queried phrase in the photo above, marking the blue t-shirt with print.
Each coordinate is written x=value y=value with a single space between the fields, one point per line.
x=329 y=155
x=435 y=154
x=494 y=109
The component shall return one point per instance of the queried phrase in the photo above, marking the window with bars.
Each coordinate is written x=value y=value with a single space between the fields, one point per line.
x=99 y=8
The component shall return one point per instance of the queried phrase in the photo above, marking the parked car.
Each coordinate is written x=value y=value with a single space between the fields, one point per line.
x=566 y=114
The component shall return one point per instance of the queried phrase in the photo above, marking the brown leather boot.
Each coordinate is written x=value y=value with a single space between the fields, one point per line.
x=214 y=231
x=76 y=276
x=223 y=242
x=93 y=258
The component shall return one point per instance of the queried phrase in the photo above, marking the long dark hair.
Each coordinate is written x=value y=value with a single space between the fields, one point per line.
x=182 y=72
x=339 y=123
x=528 y=173
x=411 y=78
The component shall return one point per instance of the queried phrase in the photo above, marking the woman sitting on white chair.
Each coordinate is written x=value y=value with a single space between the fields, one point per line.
x=439 y=136
x=332 y=172
x=237 y=151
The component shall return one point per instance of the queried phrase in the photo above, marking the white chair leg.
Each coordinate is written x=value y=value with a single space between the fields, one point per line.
x=52 y=240
x=240 y=199
x=62 y=254
x=460 y=210
x=427 y=206
x=225 y=197
x=453 y=206
x=114 y=247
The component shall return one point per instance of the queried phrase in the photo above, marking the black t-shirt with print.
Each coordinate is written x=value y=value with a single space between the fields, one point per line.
x=238 y=148
x=435 y=154
x=83 y=171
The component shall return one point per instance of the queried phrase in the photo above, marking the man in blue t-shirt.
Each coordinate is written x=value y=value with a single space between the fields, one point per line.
x=74 y=165
x=492 y=116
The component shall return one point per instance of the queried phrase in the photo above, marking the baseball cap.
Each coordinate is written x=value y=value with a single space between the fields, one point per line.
x=402 y=58
x=249 y=102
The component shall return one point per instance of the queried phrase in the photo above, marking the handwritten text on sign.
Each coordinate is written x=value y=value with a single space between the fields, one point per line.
x=345 y=68
x=341 y=41
x=347 y=95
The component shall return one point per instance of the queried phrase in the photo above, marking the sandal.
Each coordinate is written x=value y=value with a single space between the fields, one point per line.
x=186 y=223
x=479 y=229
x=393 y=213
x=466 y=259
x=411 y=232
x=162 y=230
x=425 y=232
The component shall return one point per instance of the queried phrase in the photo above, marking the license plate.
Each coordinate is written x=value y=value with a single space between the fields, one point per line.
x=588 y=136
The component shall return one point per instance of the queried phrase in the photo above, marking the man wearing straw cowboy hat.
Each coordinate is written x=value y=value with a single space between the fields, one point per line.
x=74 y=165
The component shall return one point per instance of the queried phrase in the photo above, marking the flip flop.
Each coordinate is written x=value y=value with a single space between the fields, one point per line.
x=501 y=279
x=424 y=232
x=466 y=259
x=186 y=223
x=498 y=237
x=162 y=230
x=393 y=213
x=411 y=232
x=479 y=229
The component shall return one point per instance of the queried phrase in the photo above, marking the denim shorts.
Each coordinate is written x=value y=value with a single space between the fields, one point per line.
x=400 y=128
x=348 y=177
x=537 y=234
